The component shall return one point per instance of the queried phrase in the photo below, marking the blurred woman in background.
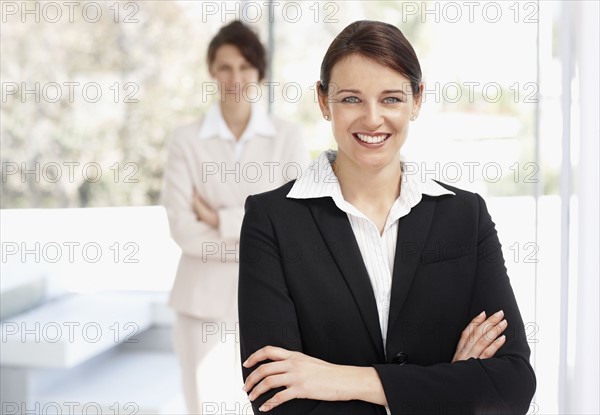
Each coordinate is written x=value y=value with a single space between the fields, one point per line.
x=214 y=163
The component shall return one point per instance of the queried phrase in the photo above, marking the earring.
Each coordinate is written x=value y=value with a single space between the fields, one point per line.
x=326 y=116
x=413 y=118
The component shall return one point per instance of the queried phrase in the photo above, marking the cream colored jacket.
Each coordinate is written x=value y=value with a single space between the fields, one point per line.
x=205 y=156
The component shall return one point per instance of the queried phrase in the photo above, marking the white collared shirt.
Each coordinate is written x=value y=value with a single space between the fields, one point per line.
x=377 y=251
x=214 y=126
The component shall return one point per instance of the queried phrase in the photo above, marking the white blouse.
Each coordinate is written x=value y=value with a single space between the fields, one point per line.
x=377 y=250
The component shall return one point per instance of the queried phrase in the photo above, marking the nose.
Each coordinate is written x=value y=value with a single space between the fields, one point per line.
x=236 y=76
x=234 y=80
x=372 y=117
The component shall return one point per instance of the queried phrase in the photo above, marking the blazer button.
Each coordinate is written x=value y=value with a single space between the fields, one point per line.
x=400 y=358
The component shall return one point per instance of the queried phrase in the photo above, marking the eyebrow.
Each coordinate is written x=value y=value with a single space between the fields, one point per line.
x=354 y=91
x=387 y=91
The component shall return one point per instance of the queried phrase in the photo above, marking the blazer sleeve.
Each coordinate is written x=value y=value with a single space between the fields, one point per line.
x=230 y=221
x=267 y=314
x=503 y=384
x=194 y=237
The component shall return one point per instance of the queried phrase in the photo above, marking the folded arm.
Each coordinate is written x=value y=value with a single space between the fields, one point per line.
x=195 y=237
x=278 y=375
x=504 y=384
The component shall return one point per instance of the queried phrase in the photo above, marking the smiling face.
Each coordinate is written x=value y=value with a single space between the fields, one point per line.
x=370 y=107
x=232 y=72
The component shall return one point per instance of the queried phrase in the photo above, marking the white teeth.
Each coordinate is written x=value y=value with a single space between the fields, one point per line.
x=372 y=139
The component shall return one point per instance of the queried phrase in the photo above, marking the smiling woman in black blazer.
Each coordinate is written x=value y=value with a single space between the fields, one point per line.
x=364 y=290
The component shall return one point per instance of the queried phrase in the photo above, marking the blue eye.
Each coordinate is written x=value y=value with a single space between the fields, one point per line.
x=392 y=100
x=351 y=100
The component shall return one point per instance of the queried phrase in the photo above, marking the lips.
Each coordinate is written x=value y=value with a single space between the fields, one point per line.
x=371 y=138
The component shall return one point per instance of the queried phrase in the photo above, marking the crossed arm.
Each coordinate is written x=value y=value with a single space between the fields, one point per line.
x=310 y=378
x=192 y=221
x=477 y=375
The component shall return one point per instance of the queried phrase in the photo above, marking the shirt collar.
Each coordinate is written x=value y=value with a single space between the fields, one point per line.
x=214 y=125
x=319 y=180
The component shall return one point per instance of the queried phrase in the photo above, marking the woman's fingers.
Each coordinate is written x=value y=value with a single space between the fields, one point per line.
x=266 y=353
x=492 y=331
x=301 y=375
x=489 y=334
x=262 y=372
x=478 y=340
x=276 y=354
x=469 y=330
x=198 y=206
x=277 y=399
x=266 y=384
x=491 y=350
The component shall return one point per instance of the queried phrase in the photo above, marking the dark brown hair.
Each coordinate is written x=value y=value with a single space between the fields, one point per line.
x=242 y=37
x=378 y=41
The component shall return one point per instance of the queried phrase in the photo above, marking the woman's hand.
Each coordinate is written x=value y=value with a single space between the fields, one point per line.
x=305 y=377
x=203 y=212
x=302 y=376
x=480 y=338
x=309 y=378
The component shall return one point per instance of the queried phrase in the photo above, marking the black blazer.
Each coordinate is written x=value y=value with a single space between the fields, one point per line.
x=303 y=286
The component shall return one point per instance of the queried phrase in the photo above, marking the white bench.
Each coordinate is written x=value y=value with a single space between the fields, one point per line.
x=69 y=330
x=67 y=324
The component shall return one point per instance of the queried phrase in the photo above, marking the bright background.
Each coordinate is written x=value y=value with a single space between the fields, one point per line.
x=510 y=112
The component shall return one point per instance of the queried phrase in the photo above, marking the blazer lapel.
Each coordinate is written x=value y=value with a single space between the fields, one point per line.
x=341 y=243
x=413 y=230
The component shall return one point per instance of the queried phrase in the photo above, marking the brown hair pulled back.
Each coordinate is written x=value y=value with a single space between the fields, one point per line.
x=381 y=42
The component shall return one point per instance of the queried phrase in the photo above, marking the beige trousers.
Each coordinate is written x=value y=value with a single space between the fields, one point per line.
x=208 y=354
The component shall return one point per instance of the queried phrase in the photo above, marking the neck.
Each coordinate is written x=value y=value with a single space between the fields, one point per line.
x=377 y=187
x=236 y=116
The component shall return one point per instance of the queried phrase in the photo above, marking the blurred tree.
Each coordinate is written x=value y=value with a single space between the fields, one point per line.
x=146 y=59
